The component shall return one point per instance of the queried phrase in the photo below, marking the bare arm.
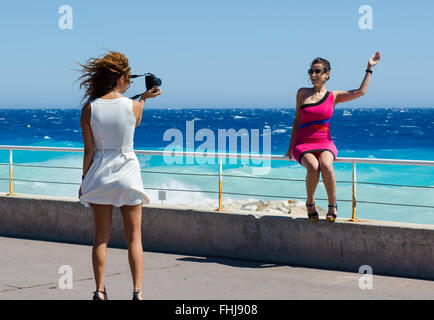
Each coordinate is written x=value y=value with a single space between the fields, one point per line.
x=87 y=138
x=139 y=105
x=138 y=109
x=295 y=123
x=345 y=96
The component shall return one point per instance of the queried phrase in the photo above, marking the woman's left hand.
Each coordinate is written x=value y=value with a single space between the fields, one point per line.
x=374 y=59
x=289 y=155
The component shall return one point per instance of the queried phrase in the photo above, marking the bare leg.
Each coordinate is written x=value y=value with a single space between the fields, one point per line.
x=328 y=176
x=132 y=216
x=310 y=162
x=102 y=215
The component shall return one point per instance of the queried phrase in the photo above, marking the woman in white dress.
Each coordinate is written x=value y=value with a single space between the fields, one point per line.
x=111 y=171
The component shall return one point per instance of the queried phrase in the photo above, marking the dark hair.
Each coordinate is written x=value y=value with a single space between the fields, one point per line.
x=324 y=62
x=100 y=75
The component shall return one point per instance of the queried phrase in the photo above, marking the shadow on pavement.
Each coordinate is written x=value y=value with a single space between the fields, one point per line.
x=231 y=262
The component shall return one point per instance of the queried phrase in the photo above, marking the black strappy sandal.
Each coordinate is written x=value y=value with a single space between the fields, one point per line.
x=314 y=215
x=331 y=217
x=136 y=294
x=96 y=295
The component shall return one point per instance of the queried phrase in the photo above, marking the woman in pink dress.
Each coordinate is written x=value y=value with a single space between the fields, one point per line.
x=311 y=144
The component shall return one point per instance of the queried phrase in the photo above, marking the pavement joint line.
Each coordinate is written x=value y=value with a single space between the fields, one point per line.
x=28 y=287
x=15 y=288
x=161 y=268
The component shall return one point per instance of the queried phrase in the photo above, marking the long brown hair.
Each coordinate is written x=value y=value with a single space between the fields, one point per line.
x=100 y=75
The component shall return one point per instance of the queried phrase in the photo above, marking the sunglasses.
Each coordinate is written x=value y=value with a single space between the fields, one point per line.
x=316 y=71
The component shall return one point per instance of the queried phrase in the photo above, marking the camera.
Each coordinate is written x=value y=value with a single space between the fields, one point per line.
x=150 y=81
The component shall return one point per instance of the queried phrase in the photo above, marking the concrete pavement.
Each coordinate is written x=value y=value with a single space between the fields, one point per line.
x=394 y=249
x=29 y=270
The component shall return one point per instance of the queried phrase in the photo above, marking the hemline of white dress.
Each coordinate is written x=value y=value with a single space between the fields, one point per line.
x=118 y=205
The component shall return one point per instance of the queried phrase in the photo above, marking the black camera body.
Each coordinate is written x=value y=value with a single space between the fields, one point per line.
x=152 y=81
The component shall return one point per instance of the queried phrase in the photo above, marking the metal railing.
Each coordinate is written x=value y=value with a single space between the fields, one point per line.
x=221 y=156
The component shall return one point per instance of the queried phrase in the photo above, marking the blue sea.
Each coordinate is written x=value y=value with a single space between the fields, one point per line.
x=385 y=133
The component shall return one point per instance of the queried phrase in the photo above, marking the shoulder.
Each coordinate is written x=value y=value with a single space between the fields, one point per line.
x=86 y=112
x=137 y=108
x=86 y=107
x=135 y=102
x=335 y=94
x=302 y=92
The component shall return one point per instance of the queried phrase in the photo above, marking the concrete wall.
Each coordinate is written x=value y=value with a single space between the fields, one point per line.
x=389 y=248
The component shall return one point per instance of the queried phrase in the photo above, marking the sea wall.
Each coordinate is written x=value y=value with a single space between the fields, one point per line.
x=395 y=249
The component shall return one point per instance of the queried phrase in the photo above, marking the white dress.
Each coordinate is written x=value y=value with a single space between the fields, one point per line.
x=114 y=177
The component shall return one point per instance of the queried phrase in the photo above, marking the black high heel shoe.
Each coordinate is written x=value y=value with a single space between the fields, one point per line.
x=96 y=295
x=331 y=217
x=314 y=215
x=136 y=294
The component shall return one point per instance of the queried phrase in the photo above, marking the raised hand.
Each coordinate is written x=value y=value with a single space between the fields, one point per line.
x=374 y=59
x=151 y=94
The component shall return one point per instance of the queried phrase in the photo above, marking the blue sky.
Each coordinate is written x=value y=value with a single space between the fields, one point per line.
x=225 y=53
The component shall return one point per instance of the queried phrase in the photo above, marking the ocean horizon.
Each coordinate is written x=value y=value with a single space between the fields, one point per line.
x=153 y=107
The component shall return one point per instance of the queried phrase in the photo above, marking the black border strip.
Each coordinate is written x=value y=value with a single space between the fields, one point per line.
x=314 y=150
x=316 y=103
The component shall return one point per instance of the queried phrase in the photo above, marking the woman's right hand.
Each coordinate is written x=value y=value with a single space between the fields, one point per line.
x=151 y=93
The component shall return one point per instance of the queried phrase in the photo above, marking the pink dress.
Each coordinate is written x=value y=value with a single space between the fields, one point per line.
x=313 y=132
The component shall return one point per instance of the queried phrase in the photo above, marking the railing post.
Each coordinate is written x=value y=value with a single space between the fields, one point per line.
x=11 y=179
x=220 y=208
x=354 y=192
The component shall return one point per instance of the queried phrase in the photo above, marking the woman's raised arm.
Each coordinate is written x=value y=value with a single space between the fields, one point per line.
x=138 y=105
x=344 y=96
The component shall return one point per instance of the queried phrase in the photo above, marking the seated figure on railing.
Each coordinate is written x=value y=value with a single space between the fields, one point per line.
x=311 y=144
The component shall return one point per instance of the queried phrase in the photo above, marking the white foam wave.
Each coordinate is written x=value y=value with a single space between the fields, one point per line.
x=277 y=131
x=195 y=197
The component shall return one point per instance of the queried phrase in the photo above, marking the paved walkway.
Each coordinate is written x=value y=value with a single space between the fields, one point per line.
x=30 y=270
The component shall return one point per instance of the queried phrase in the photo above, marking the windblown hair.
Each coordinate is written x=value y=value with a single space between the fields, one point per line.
x=324 y=62
x=100 y=75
